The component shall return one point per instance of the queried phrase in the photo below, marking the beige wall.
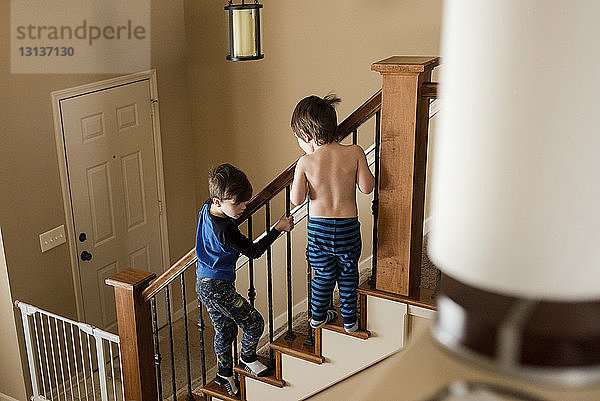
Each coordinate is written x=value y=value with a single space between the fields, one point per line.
x=30 y=194
x=11 y=379
x=241 y=111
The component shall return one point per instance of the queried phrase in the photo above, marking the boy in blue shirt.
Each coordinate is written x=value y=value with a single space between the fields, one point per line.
x=219 y=243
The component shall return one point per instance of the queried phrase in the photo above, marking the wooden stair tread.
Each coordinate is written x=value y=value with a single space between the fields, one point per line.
x=338 y=326
x=271 y=379
x=423 y=299
x=297 y=348
x=213 y=389
x=197 y=397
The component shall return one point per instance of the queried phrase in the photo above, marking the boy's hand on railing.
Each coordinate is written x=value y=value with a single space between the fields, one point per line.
x=285 y=223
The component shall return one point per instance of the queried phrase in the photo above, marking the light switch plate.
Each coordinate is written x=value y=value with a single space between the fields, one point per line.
x=52 y=238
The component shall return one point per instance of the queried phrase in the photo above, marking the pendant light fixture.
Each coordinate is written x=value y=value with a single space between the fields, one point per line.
x=244 y=31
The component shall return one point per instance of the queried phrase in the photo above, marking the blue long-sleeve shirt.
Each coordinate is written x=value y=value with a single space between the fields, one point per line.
x=219 y=244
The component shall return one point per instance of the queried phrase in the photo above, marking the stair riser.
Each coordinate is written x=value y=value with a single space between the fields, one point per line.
x=344 y=355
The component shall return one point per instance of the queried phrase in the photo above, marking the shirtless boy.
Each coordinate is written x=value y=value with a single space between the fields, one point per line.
x=329 y=173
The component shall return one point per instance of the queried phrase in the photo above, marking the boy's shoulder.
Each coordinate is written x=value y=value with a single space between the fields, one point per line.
x=350 y=148
x=346 y=150
x=350 y=152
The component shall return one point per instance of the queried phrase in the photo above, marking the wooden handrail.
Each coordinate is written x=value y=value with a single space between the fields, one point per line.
x=352 y=122
x=429 y=89
x=345 y=128
x=171 y=274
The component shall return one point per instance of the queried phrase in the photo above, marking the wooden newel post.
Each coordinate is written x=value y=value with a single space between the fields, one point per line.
x=135 y=333
x=403 y=157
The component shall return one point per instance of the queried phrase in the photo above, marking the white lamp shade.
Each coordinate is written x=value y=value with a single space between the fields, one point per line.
x=515 y=190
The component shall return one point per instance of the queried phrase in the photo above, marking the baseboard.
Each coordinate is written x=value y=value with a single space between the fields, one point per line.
x=281 y=320
x=4 y=397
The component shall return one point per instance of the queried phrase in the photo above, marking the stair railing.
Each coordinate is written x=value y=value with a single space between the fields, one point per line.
x=136 y=291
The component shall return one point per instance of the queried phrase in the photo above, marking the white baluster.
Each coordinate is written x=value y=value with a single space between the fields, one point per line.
x=62 y=371
x=27 y=332
x=112 y=370
x=53 y=357
x=91 y=366
x=101 y=370
x=83 y=365
x=37 y=340
x=75 y=363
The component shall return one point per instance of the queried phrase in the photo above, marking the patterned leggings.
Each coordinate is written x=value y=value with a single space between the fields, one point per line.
x=334 y=247
x=228 y=310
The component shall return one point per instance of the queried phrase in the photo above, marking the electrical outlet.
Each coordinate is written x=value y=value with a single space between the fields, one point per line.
x=52 y=238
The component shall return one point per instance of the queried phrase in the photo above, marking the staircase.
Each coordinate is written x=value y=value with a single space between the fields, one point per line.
x=302 y=370
x=304 y=364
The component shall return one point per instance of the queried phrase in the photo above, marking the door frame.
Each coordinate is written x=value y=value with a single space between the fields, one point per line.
x=64 y=94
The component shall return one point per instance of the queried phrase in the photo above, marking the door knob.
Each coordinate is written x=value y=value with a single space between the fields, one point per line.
x=82 y=237
x=85 y=255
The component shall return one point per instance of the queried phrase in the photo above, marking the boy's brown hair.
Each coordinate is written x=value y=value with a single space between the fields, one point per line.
x=315 y=118
x=228 y=182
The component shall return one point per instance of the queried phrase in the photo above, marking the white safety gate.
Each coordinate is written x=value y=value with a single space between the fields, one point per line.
x=70 y=360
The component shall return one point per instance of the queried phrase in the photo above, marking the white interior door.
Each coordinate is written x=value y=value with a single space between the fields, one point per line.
x=112 y=174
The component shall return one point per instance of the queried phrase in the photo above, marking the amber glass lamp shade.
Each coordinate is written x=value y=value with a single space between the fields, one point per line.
x=244 y=31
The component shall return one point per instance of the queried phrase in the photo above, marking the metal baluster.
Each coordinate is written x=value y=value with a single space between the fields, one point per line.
x=37 y=340
x=354 y=137
x=375 y=207
x=202 y=353
x=89 y=347
x=157 y=358
x=46 y=355
x=62 y=372
x=269 y=283
x=173 y=383
x=75 y=362
x=112 y=371
x=68 y=359
x=189 y=397
x=310 y=340
x=288 y=239
x=83 y=364
x=251 y=289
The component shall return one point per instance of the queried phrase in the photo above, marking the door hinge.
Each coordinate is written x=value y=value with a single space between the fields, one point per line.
x=160 y=207
x=153 y=102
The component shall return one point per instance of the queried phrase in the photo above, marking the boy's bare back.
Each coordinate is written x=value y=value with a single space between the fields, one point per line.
x=330 y=175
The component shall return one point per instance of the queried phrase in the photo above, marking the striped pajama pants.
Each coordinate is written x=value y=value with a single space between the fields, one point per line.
x=334 y=246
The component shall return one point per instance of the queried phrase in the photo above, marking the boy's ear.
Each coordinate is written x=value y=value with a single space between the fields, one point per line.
x=216 y=201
